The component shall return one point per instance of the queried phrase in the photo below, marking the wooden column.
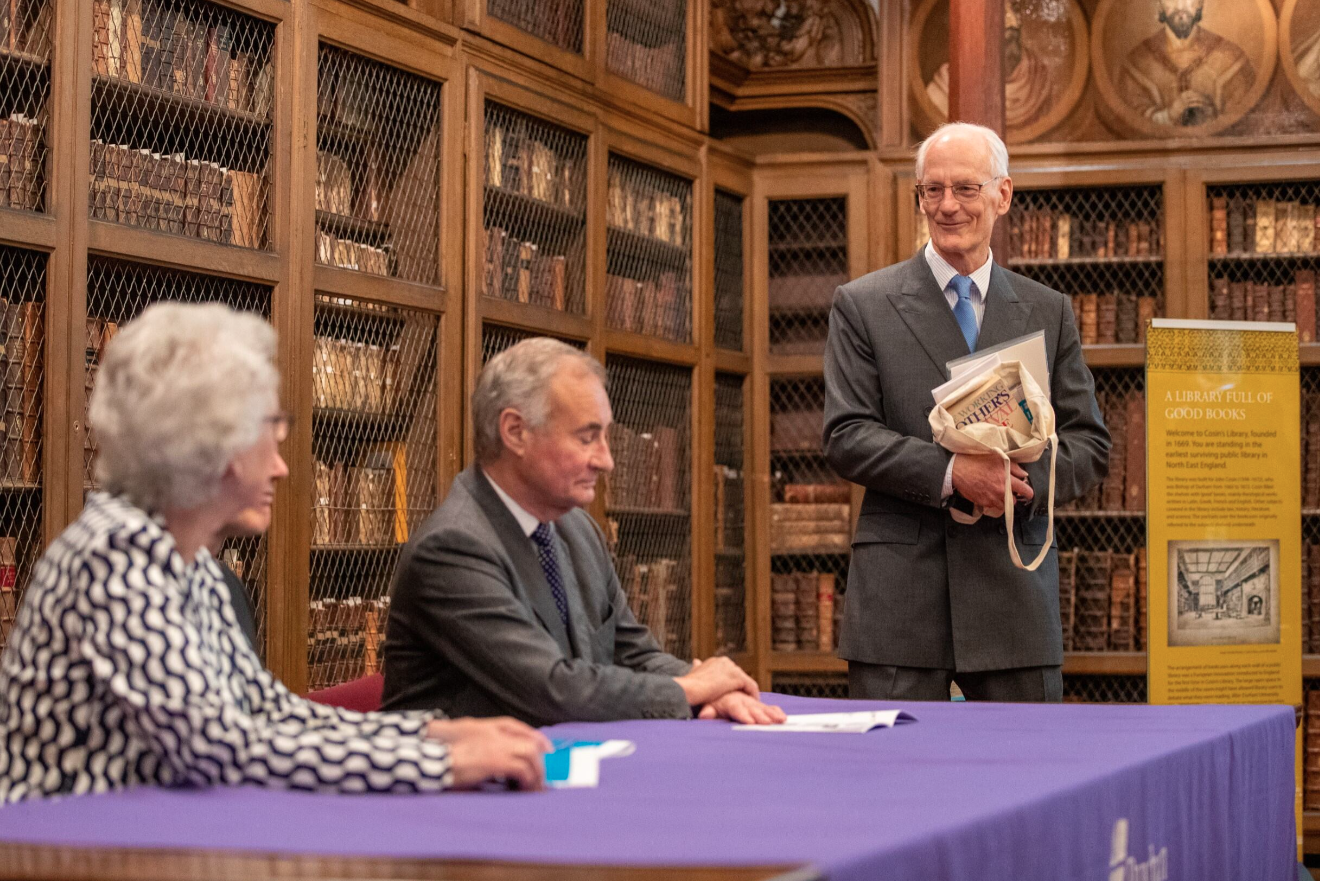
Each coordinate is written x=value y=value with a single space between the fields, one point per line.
x=976 y=75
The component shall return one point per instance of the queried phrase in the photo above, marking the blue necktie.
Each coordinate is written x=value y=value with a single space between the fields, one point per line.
x=545 y=551
x=963 y=312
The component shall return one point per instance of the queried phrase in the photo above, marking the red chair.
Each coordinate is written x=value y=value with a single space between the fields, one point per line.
x=362 y=695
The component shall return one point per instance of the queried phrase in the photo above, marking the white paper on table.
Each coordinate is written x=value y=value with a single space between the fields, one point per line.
x=836 y=723
x=1029 y=350
x=584 y=763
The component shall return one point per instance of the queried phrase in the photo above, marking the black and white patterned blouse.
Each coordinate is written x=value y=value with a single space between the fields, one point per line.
x=126 y=666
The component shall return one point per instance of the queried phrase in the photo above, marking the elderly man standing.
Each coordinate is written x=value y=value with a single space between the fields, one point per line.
x=506 y=601
x=931 y=601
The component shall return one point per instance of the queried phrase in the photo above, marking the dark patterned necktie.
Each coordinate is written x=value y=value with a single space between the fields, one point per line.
x=545 y=552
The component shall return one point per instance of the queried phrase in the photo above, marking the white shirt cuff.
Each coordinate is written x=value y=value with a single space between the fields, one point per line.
x=948 y=479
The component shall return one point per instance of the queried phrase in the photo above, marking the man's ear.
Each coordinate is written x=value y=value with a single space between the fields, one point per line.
x=1005 y=196
x=513 y=431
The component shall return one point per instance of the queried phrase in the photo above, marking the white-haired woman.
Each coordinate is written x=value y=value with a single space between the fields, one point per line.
x=126 y=664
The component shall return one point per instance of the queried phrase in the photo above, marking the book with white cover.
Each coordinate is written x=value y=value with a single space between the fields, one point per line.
x=1029 y=350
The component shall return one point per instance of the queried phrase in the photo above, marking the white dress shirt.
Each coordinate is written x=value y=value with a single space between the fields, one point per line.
x=944 y=274
x=526 y=520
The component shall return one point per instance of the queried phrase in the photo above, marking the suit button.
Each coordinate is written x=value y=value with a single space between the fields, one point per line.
x=926 y=412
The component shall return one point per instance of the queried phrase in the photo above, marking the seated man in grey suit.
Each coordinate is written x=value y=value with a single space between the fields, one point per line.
x=932 y=601
x=505 y=602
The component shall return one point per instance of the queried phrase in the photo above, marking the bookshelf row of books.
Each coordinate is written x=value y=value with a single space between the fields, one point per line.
x=658 y=307
x=549 y=21
x=798 y=430
x=176 y=194
x=646 y=210
x=798 y=527
x=729 y=500
x=20 y=163
x=1260 y=301
x=1310 y=735
x=336 y=193
x=356 y=504
x=518 y=162
x=1102 y=600
x=343 y=639
x=1310 y=470
x=22 y=338
x=805 y=611
x=661 y=69
x=521 y=271
x=1311 y=598
x=354 y=375
x=25 y=26
x=800 y=293
x=1119 y=317
x=344 y=253
x=1241 y=225
x=193 y=52
x=657 y=595
x=1054 y=235
x=648 y=473
x=1124 y=486
x=9 y=586
x=834 y=493
x=99 y=333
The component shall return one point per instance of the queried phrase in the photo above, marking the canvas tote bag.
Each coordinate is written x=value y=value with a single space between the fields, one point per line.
x=989 y=438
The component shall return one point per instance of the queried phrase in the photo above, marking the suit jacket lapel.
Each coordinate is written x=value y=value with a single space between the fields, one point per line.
x=928 y=315
x=1005 y=315
x=527 y=566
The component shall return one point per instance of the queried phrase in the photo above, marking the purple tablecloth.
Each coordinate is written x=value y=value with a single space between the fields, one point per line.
x=985 y=791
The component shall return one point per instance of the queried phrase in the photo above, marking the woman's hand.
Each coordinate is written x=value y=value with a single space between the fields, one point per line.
x=489 y=749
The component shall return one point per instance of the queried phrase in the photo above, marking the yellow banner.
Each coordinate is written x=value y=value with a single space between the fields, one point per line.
x=1224 y=519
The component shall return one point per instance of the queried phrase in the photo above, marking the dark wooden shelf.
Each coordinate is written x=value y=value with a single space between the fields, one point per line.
x=646 y=512
x=1105 y=663
x=814 y=452
x=353 y=548
x=356 y=313
x=522 y=209
x=364 y=232
x=1252 y=256
x=371 y=426
x=810 y=245
x=807 y=662
x=11 y=486
x=626 y=243
x=810 y=552
x=1115 y=355
x=1147 y=259
x=135 y=99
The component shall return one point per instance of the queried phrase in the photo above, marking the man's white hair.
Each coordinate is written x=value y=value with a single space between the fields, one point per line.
x=995 y=144
x=180 y=392
x=519 y=378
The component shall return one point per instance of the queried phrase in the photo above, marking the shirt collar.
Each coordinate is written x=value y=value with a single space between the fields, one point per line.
x=944 y=273
x=526 y=521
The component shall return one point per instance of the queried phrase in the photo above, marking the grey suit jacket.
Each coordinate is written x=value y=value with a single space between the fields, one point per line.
x=473 y=629
x=924 y=591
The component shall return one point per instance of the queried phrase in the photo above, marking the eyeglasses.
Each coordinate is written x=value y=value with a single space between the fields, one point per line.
x=281 y=422
x=965 y=193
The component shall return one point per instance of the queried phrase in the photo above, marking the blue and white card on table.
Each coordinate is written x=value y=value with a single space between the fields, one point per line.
x=575 y=764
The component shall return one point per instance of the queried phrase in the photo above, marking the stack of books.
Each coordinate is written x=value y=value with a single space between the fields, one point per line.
x=20 y=167
x=354 y=375
x=1124 y=486
x=657 y=594
x=803 y=612
x=357 y=504
x=1102 y=600
x=195 y=51
x=175 y=194
x=1260 y=301
x=343 y=639
x=1311 y=758
x=522 y=271
x=729 y=521
x=646 y=210
x=656 y=306
x=1242 y=225
x=21 y=334
x=798 y=527
x=1119 y=317
x=648 y=472
x=658 y=68
x=519 y=162
x=99 y=334
x=1058 y=235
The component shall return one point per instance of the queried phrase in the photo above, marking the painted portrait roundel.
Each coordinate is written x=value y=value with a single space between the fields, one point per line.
x=1181 y=68
x=1045 y=56
x=1299 y=49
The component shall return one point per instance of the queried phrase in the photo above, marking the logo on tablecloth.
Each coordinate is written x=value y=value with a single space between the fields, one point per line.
x=1126 y=868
